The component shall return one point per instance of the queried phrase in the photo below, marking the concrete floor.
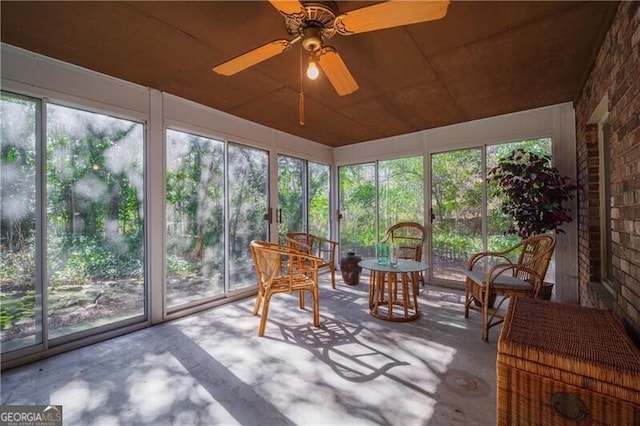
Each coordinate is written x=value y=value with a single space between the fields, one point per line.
x=212 y=369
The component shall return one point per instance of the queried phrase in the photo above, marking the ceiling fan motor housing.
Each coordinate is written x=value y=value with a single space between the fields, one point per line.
x=312 y=37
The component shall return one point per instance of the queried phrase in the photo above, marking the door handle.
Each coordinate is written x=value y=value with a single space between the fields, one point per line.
x=268 y=215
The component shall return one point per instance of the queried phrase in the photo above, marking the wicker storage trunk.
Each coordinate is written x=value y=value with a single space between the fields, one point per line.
x=562 y=364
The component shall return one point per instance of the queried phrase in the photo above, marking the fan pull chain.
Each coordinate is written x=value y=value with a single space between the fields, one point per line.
x=301 y=103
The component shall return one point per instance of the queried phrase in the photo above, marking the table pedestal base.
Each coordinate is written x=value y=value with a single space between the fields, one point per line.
x=393 y=296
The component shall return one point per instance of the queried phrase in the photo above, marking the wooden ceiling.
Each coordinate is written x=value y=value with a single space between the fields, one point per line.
x=482 y=59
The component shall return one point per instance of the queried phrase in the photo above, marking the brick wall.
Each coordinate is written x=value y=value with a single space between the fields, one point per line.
x=616 y=74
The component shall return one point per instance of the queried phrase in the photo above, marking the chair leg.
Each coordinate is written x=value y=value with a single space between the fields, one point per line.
x=467 y=299
x=256 y=306
x=485 y=316
x=378 y=295
x=392 y=289
x=405 y=294
x=301 y=301
x=263 y=317
x=316 y=307
x=333 y=276
x=372 y=289
x=415 y=286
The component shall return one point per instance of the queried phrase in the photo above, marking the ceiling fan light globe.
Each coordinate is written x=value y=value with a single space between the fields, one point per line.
x=312 y=71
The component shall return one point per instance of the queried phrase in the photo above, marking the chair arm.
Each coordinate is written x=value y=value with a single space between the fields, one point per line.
x=331 y=247
x=290 y=251
x=301 y=262
x=297 y=245
x=493 y=255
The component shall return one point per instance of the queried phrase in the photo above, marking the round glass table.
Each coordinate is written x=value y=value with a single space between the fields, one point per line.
x=394 y=287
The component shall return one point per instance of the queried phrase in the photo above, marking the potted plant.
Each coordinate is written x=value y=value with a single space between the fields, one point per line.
x=532 y=193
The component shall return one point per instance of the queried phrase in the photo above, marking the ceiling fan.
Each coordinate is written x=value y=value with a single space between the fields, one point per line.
x=313 y=23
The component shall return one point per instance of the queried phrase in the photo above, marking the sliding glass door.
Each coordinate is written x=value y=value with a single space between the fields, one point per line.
x=303 y=197
x=95 y=218
x=357 y=198
x=248 y=197
x=456 y=211
x=318 y=199
x=465 y=210
x=20 y=279
x=400 y=192
x=88 y=208
x=292 y=182
x=195 y=218
x=374 y=196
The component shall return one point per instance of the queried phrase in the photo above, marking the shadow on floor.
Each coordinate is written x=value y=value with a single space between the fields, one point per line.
x=211 y=368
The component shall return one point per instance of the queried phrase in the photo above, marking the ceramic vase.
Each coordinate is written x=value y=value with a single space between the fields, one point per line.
x=350 y=269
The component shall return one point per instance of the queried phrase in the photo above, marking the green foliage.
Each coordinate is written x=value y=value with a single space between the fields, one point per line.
x=400 y=191
x=455 y=244
x=532 y=193
x=357 y=205
x=319 y=209
x=400 y=197
x=80 y=258
x=248 y=173
x=180 y=266
x=20 y=264
x=15 y=309
x=456 y=188
x=502 y=242
x=290 y=191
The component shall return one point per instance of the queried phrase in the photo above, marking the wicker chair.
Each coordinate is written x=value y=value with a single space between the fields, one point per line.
x=316 y=246
x=281 y=269
x=506 y=278
x=409 y=238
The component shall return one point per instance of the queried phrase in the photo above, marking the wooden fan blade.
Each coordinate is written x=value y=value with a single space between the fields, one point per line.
x=288 y=7
x=252 y=57
x=390 y=14
x=337 y=72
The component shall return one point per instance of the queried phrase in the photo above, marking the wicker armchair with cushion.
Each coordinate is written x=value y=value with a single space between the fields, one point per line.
x=505 y=277
x=281 y=269
x=316 y=246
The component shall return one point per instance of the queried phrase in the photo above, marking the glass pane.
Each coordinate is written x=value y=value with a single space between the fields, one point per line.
x=18 y=306
x=358 y=209
x=248 y=201
x=195 y=218
x=290 y=196
x=498 y=222
x=95 y=185
x=401 y=192
x=456 y=200
x=319 y=200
